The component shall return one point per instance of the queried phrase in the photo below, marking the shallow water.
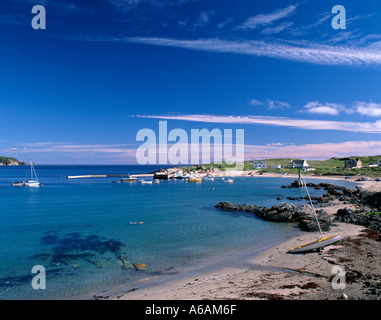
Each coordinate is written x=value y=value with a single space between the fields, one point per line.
x=80 y=230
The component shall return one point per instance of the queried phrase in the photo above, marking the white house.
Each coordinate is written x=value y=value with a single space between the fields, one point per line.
x=298 y=164
x=308 y=168
x=259 y=164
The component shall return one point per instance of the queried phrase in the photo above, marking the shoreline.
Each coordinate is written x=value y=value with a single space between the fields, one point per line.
x=270 y=273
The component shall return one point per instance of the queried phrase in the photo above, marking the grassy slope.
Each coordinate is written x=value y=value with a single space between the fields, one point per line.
x=333 y=166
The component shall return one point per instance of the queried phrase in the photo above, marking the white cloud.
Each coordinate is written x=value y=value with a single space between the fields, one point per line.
x=349 y=126
x=204 y=18
x=316 y=107
x=275 y=104
x=314 y=151
x=277 y=29
x=297 y=51
x=267 y=18
x=254 y=102
x=370 y=109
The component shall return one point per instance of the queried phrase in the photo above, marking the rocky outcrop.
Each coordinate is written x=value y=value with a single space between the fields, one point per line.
x=368 y=217
x=285 y=212
x=7 y=161
x=341 y=193
x=370 y=220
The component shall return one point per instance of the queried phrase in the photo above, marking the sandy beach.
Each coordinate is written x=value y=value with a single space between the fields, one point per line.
x=275 y=274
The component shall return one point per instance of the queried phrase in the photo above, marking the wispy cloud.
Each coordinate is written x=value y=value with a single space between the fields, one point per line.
x=313 y=151
x=370 y=109
x=277 y=29
x=315 y=107
x=204 y=18
x=255 y=102
x=275 y=104
x=70 y=148
x=297 y=51
x=271 y=104
x=366 y=127
x=267 y=18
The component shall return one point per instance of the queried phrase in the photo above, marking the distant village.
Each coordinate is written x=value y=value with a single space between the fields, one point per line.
x=348 y=164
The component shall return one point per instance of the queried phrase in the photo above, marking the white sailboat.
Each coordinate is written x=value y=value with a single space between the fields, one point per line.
x=33 y=181
x=320 y=243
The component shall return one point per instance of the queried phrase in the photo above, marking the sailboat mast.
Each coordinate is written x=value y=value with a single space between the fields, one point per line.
x=312 y=206
x=32 y=170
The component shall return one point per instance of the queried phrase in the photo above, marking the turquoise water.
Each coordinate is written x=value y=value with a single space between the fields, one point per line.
x=80 y=230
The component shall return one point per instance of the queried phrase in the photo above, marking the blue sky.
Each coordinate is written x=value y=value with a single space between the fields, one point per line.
x=79 y=91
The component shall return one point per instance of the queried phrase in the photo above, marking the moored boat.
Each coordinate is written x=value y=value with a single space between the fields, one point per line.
x=32 y=182
x=131 y=179
x=18 y=184
x=323 y=241
x=318 y=244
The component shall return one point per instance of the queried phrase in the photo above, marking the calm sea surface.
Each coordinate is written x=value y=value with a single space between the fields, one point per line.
x=80 y=229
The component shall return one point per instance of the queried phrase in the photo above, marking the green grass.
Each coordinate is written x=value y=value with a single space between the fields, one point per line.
x=332 y=166
x=376 y=212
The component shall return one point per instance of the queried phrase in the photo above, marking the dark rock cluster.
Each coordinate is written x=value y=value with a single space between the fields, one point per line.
x=285 y=212
x=370 y=220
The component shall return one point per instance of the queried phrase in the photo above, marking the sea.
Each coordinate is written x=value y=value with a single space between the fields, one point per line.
x=87 y=236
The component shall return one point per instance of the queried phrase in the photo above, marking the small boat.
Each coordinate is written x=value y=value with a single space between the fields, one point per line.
x=318 y=244
x=323 y=241
x=33 y=181
x=194 y=180
x=229 y=181
x=156 y=181
x=131 y=179
x=145 y=182
x=18 y=184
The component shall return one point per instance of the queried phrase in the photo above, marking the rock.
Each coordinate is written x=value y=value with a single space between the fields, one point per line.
x=285 y=212
x=343 y=296
x=125 y=264
x=296 y=184
x=369 y=220
x=344 y=212
x=140 y=266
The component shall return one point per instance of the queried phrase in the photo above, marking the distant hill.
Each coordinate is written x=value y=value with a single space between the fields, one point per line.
x=8 y=161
